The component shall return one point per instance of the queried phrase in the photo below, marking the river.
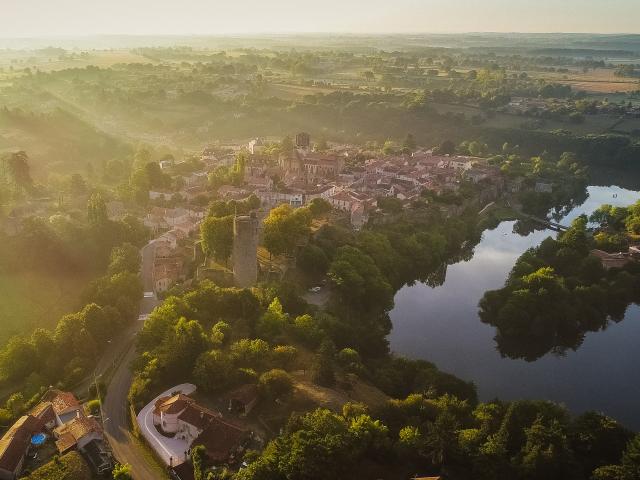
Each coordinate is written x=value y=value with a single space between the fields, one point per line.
x=441 y=325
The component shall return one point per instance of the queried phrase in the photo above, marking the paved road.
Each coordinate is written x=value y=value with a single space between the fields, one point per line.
x=115 y=406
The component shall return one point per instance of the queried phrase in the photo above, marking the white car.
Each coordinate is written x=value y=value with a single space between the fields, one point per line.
x=315 y=289
x=148 y=294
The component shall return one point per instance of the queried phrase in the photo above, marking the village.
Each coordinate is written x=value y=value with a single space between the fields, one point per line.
x=356 y=184
x=297 y=179
x=173 y=421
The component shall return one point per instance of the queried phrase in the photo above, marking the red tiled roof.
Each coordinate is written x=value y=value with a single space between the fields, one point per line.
x=220 y=439
x=184 y=471
x=70 y=433
x=198 y=416
x=44 y=411
x=65 y=442
x=61 y=401
x=15 y=442
x=173 y=405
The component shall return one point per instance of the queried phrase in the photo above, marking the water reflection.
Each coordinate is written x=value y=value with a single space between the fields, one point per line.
x=441 y=324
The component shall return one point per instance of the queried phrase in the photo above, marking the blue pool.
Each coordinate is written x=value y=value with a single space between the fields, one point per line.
x=38 y=439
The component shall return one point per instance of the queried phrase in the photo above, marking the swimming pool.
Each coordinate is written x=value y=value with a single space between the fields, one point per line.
x=38 y=439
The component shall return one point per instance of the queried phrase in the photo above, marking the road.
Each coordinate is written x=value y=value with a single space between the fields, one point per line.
x=115 y=407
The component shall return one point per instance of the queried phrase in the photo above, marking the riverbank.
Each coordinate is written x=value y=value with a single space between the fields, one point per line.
x=441 y=324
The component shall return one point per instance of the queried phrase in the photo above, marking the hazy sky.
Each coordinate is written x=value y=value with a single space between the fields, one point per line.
x=28 y=18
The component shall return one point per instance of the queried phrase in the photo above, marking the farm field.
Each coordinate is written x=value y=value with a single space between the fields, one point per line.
x=629 y=125
x=599 y=81
x=54 y=62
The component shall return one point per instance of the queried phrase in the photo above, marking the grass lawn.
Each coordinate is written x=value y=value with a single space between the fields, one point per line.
x=69 y=467
x=31 y=300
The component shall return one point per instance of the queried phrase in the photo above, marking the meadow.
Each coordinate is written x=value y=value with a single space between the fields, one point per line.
x=36 y=299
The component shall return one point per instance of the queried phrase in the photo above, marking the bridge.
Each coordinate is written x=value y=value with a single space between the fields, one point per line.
x=551 y=225
x=546 y=222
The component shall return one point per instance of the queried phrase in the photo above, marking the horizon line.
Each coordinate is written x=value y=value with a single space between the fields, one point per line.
x=308 y=33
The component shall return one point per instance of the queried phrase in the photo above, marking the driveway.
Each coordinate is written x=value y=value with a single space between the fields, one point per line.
x=171 y=450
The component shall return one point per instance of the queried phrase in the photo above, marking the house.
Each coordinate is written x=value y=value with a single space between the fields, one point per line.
x=262 y=183
x=611 y=260
x=359 y=216
x=196 y=179
x=323 y=191
x=77 y=433
x=345 y=199
x=44 y=411
x=462 y=162
x=160 y=195
x=229 y=192
x=65 y=405
x=208 y=156
x=191 y=193
x=170 y=239
x=181 y=417
x=515 y=185
x=187 y=227
x=175 y=216
x=59 y=412
x=184 y=471
x=243 y=399
x=155 y=222
x=475 y=175
x=274 y=198
x=62 y=413
x=14 y=445
x=166 y=272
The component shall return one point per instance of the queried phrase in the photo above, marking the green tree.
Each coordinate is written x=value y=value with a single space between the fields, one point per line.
x=250 y=353
x=359 y=281
x=409 y=143
x=17 y=359
x=97 y=210
x=631 y=459
x=322 y=369
x=286 y=145
x=319 y=207
x=16 y=404
x=276 y=384
x=122 y=472
x=19 y=170
x=125 y=258
x=312 y=260
x=213 y=371
x=284 y=356
x=285 y=228
x=217 y=237
x=273 y=321
x=198 y=459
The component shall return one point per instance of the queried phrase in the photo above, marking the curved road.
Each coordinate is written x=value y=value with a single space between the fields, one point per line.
x=115 y=407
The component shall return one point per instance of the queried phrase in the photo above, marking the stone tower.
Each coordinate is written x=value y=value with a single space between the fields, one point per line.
x=245 y=250
x=303 y=141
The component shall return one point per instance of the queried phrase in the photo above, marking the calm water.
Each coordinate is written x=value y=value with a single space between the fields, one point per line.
x=442 y=325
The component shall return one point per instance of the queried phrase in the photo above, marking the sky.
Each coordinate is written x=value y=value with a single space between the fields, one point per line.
x=41 y=18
